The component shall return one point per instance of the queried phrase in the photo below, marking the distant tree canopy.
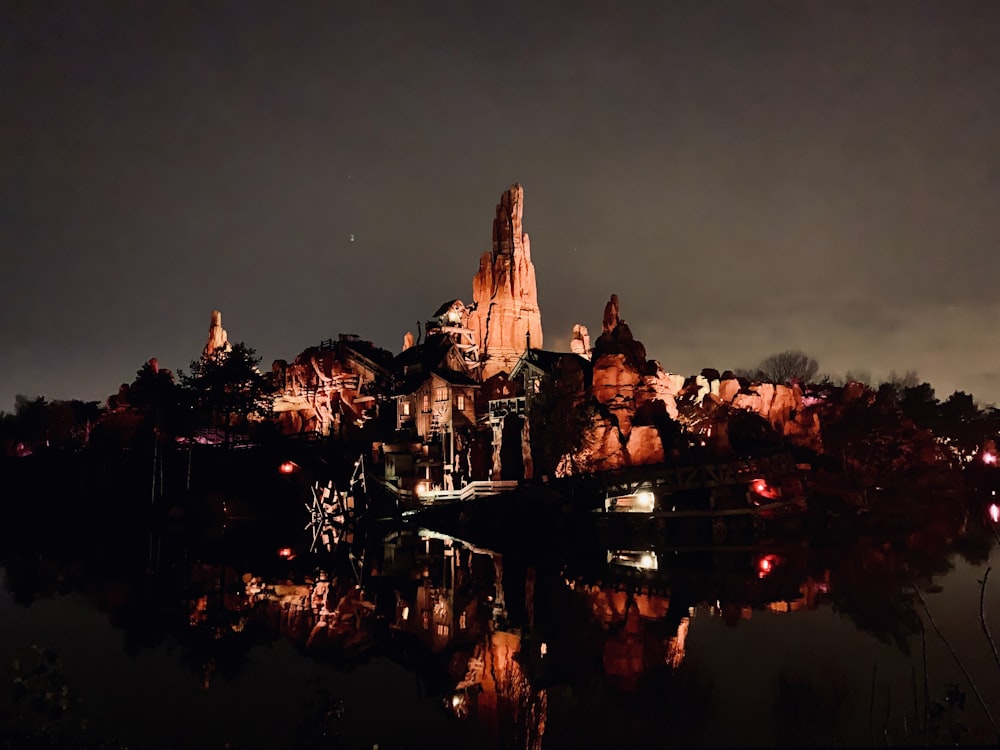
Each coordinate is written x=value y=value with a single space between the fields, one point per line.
x=785 y=367
x=36 y=421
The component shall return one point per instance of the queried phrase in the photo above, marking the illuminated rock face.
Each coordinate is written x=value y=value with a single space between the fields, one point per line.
x=580 y=341
x=327 y=387
x=217 y=337
x=619 y=388
x=506 y=310
x=632 y=397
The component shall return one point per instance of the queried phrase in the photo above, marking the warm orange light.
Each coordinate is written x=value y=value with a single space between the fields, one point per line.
x=286 y=552
x=990 y=458
x=287 y=468
x=995 y=513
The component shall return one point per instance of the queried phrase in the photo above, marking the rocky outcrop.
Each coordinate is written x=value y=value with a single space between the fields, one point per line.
x=506 y=318
x=618 y=390
x=329 y=387
x=634 y=400
x=218 y=339
x=579 y=342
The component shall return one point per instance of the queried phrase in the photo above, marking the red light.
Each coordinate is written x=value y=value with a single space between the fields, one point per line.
x=765 y=565
x=287 y=468
x=286 y=552
x=759 y=486
x=995 y=513
x=990 y=458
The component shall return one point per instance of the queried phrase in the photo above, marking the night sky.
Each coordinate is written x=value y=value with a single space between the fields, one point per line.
x=748 y=177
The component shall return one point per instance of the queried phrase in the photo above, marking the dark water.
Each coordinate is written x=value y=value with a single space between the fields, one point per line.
x=811 y=635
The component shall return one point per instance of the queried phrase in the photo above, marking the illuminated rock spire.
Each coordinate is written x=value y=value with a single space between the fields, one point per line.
x=217 y=337
x=506 y=318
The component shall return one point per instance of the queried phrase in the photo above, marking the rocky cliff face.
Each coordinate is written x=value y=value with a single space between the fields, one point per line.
x=506 y=310
x=618 y=392
x=323 y=389
x=633 y=401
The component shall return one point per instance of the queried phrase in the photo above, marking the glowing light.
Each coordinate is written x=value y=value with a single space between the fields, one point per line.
x=759 y=486
x=641 y=502
x=286 y=552
x=406 y=613
x=765 y=565
x=995 y=513
x=423 y=488
x=455 y=701
x=990 y=458
x=544 y=649
x=287 y=468
x=647 y=561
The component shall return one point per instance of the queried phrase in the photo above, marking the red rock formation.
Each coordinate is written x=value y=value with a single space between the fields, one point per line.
x=217 y=337
x=506 y=310
x=618 y=387
x=580 y=341
x=632 y=395
x=326 y=387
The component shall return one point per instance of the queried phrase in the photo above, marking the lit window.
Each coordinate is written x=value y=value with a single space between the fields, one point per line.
x=406 y=408
x=442 y=394
x=427 y=402
x=460 y=402
x=461 y=621
x=426 y=619
x=442 y=629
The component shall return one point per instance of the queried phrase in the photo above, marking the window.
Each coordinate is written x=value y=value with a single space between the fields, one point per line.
x=427 y=402
x=426 y=618
x=461 y=620
x=442 y=629
x=460 y=402
x=406 y=408
x=441 y=394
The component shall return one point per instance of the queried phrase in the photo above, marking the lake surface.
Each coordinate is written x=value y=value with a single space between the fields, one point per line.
x=234 y=639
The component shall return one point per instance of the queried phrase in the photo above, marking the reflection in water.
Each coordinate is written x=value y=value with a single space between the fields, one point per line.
x=802 y=640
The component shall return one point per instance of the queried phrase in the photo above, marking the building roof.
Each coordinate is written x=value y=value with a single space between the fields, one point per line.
x=445 y=308
x=545 y=361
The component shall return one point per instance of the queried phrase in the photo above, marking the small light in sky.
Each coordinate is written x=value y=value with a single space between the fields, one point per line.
x=352 y=238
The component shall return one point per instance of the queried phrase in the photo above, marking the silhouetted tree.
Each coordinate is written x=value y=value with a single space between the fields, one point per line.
x=900 y=383
x=156 y=396
x=229 y=386
x=785 y=367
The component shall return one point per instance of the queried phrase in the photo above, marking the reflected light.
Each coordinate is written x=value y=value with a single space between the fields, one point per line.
x=995 y=513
